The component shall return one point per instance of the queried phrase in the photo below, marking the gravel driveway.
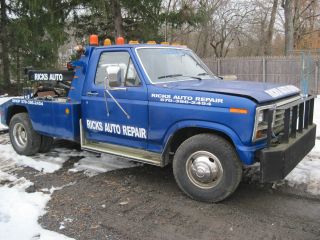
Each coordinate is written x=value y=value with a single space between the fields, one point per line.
x=145 y=203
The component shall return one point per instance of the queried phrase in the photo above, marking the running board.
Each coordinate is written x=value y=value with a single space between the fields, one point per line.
x=132 y=153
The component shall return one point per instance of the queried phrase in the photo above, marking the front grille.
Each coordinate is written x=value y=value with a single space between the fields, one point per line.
x=288 y=118
x=278 y=122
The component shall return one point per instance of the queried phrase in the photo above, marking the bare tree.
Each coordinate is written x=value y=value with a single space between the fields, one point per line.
x=228 y=24
x=306 y=15
x=270 y=31
x=288 y=6
x=207 y=9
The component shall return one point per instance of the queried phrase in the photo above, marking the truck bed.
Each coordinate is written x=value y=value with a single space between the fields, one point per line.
x=57 y=117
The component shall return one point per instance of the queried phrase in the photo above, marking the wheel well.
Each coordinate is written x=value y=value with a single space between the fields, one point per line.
x=14 y=110
x=183 y=134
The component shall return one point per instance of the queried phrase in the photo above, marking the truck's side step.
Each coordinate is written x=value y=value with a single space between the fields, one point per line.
x=133 y=153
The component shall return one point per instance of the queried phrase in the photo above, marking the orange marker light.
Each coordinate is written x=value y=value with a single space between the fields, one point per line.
x=151 y=42
x=239 y=110
x=107 y=42
x=94 y=40
x=67 y=111
x=261 y=134
x=133 y=42
x=164 y=43
x=175 y=44
x=120 y=41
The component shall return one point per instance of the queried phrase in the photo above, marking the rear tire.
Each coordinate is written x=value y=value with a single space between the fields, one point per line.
x=46 y=143
x=207 y=168
x=24 y=139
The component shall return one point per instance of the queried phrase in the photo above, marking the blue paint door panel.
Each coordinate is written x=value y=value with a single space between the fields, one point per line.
x=114 y=127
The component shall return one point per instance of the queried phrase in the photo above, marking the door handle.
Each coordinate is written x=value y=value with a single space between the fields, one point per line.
x=92 y=93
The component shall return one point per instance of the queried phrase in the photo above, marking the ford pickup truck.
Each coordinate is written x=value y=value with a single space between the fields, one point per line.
x=160 y=104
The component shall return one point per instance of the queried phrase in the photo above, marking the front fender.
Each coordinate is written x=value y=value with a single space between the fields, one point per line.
x=245 y=153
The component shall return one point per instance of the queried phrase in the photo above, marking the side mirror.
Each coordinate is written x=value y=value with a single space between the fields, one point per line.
x=113 y=76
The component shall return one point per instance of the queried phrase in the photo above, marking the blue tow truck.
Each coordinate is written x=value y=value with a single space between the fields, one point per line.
x=160 y=104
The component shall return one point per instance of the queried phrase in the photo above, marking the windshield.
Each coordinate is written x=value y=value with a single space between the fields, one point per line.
x=172 y=64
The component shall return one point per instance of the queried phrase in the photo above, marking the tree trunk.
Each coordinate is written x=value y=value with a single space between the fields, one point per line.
x=288 y=26
x=296 y=15
x=205 y=41
x=18 y=70
x=263 y=37
x=269 y=37
x=4 y=44
x=117 y=18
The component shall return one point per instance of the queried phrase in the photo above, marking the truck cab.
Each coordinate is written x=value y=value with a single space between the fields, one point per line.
x=160 y=105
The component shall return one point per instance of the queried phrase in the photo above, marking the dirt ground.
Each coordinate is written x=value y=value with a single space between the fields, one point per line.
x=145 y=203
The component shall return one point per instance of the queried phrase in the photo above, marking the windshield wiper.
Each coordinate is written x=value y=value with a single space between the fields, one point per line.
x=211 y=75
x=198 y=78
x=203 y=74
x=179 y=75
x=170 y=76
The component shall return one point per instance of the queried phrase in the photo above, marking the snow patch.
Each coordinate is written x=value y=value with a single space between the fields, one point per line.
x=93 y=164
x=40 y=162
x=306 y=176
x=19 y=213
x=19 y=210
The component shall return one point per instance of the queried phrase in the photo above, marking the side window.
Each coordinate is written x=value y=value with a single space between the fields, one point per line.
x=129 y=76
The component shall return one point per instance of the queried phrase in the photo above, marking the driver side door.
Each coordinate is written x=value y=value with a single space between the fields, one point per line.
x=103 y=119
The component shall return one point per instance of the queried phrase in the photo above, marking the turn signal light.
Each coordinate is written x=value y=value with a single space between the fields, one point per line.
x=151 y=42
x=164 y=43
x=94 y=40
x=261 y=134
x=239 y=110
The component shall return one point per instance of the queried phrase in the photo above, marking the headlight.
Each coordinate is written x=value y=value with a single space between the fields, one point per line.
x=261 y=124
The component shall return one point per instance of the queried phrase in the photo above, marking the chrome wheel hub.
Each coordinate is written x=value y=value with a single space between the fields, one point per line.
x=204 y=169
x=20 y=135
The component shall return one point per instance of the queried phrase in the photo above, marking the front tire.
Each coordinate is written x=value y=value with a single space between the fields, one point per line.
x=24 y=139
x=207 y=168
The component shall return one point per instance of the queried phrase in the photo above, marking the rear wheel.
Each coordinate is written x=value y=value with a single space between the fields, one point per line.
x=206 y=168
x=24 y=139
x=46 y=143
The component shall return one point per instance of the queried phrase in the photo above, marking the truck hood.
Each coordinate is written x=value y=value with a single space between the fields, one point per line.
x=261 y=92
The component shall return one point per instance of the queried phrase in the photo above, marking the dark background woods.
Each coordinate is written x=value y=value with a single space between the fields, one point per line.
x=33 y=31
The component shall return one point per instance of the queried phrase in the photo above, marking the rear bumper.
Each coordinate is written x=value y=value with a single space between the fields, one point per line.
x=277 y=162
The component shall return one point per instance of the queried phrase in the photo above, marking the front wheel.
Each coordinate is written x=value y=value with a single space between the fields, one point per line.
x=206 y=168
x=24 y=139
